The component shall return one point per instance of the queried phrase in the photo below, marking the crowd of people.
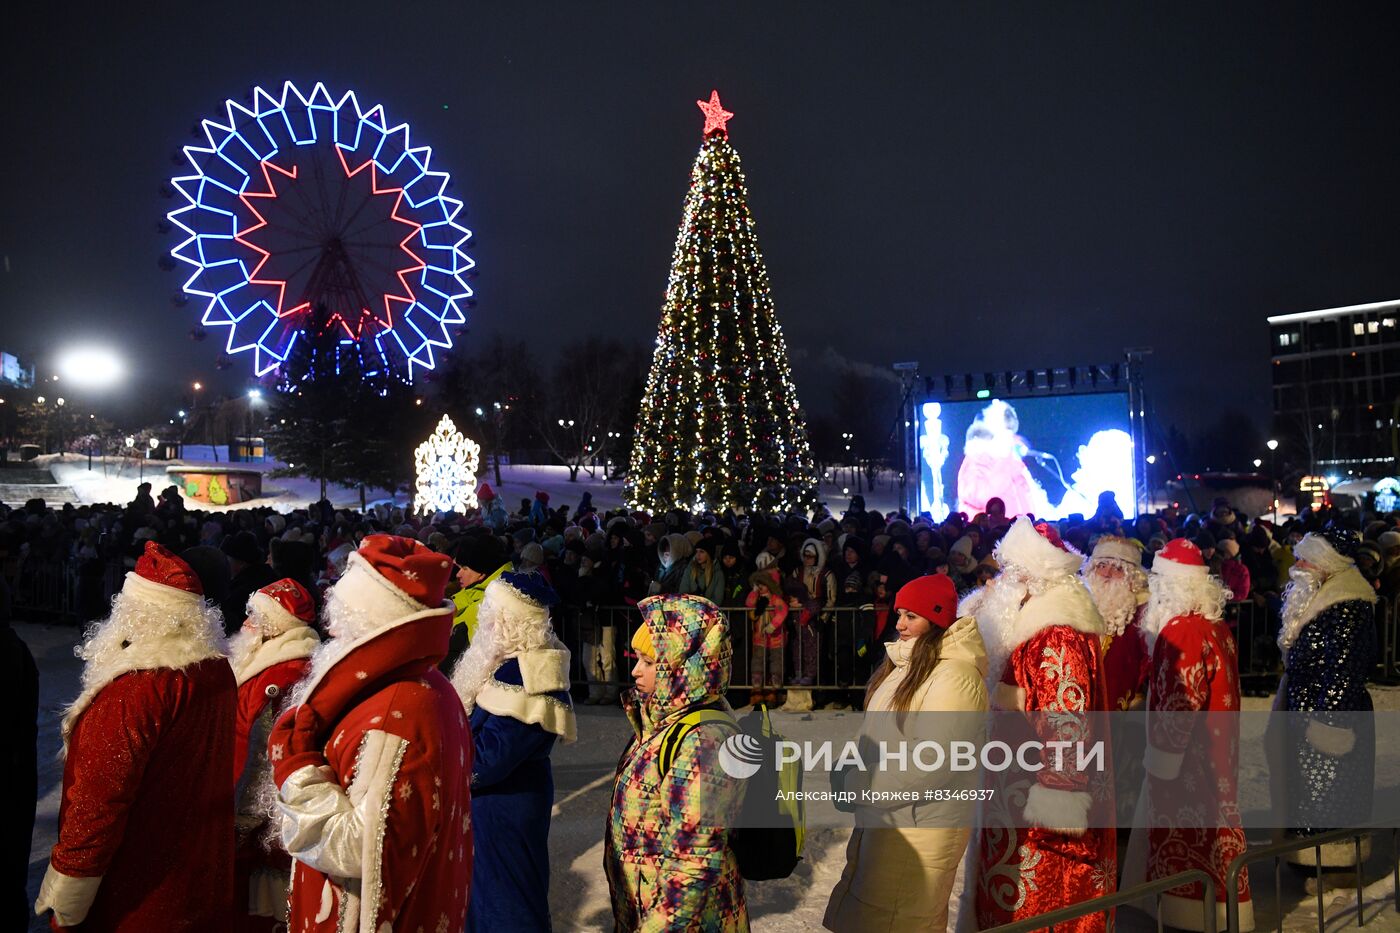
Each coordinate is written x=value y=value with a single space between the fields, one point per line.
x=372 y=699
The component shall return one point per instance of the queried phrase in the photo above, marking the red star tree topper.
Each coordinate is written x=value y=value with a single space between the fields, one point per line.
x=715 y=115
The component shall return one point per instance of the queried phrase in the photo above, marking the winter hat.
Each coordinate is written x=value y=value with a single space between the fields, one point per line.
x=541 y=497
x=1116 y=548
x=1036 y=548
x=481 y=553
x=1330 y=550
x=1180 y=558
x=827 y=527
x=553 y=546
x=276 y=524
x=656 y=529
x=395 y=576
x=763 y=560
x=1389 y=540
x=531 y=556
x=161 y=577
x=933 y=597
x=1229 y=547
x=282 y=606
x=596 y=544
x=531 y=588
x=485 y=493
x=211 y=566
x=1205 y=540
x=523 y=537
x=642 y=644
x=694 y=538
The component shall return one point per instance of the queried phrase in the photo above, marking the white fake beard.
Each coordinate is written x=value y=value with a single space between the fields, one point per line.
x=346 y=625
x=1115 y=600
x=996 y=606
x=242 y=645
x=504 y=629
x=1171 y=597
x=1298 y=596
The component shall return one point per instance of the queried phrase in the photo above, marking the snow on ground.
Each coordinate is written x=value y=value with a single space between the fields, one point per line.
x=583 y=774
x=114 y=479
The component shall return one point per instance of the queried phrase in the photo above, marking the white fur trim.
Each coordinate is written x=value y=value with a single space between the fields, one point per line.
x=541 y=710
x=291 y=645
x=1170 y=568
x=544 y=670
x=1161 y=764
x=1334 y=854
x=1338 y=588
x=68 y=897
x=1315 y=550
x=367 y=590
x=305 y=688
x=1024 y=547
x=1065 y=811
x=381 y=758
x=159 y=593
x=1186 y=913
x=1117 y=549
x=1330 y=740
x=274 y=614
x=1009 y=698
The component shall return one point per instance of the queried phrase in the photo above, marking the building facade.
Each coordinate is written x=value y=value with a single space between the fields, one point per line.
x=1336 y=388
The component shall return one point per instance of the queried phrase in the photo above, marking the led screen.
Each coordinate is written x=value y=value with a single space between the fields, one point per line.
x=1050 y=456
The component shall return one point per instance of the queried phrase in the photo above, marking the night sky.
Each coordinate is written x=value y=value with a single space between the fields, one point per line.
x=976 y=187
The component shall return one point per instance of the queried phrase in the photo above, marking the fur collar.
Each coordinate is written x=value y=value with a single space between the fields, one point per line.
x=175 y=650
x=1065 y=603
x=1341 y=587
x=292 y=645
x=543 y=672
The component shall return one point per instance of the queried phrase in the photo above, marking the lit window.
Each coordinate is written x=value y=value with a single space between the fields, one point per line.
x=1373 y=327
x=1358 y=328
x=1388 y=322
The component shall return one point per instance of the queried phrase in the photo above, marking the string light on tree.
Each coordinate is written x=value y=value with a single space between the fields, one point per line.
x=446 y=466
x=720 y=424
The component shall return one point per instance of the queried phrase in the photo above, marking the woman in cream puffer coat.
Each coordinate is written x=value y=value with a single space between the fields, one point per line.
x=901 y=860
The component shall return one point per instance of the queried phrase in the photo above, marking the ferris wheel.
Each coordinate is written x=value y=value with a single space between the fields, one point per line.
x=312 y=216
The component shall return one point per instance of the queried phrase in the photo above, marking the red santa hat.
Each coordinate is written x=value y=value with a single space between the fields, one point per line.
x=391 y=576
x=934 y=597
x=1180 y=558
x=542 y=496
x=1037 y=549
x=485 y=493
x=163 y=578
x=282 y=606
x=1113 y=547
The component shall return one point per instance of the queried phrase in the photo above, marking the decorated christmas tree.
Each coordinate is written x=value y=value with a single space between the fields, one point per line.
x=719 y=424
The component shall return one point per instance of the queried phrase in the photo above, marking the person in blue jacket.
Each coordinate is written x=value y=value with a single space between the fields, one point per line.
x=514 y=683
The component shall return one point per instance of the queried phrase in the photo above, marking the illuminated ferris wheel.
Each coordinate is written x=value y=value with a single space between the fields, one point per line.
x=312 y=216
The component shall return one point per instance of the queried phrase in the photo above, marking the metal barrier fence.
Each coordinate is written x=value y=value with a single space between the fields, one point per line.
x=837 y=650
x=1108 y=902
x=1278 y=850
x=1256 y=627
x=65 y=591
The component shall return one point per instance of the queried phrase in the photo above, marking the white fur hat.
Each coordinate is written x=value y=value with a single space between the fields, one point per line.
x=1042 y=554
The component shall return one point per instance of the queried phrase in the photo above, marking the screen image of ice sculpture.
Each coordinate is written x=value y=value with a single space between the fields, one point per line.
x=1051 y=457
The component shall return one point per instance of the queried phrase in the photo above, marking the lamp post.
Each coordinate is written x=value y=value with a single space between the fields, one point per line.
x=1273 y=476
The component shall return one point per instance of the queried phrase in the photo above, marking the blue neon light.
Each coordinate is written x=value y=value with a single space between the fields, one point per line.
x=218 y=216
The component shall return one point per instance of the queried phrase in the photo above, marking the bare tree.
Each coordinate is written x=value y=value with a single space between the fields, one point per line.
x=587 y=407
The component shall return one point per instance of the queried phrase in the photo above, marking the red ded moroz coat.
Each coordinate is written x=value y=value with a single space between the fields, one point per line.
x=261 y=867
x=1192 y=766
x=147 y=805
x=374 y=771
x=1025 y=864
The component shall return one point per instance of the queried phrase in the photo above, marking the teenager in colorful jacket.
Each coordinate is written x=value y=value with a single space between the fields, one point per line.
x=667 y=856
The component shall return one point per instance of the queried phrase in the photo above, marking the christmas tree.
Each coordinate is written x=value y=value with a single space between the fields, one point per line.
x=719 y=424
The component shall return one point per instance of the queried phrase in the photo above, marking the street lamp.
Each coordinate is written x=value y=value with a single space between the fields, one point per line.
x=1273 y=476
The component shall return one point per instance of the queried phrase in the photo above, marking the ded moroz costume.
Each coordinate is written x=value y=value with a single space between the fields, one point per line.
x=145 y=829
x=372 y=763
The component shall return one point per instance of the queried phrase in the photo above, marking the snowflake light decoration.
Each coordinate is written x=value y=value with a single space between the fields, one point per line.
x=446 y=466
x=307 y=214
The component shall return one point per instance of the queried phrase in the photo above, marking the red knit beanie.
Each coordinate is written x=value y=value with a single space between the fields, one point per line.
x=933 y=596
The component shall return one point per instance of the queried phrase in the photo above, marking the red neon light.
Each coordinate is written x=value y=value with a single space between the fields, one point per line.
x=354 y=333
x=715 y=115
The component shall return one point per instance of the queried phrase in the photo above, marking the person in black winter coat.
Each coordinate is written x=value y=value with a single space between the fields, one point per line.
x=22 y=700
x=250 y=574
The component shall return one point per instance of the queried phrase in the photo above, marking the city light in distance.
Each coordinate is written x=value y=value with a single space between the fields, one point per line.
x=90 y=367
